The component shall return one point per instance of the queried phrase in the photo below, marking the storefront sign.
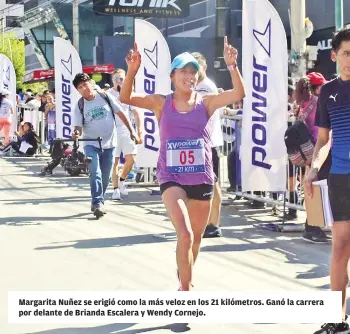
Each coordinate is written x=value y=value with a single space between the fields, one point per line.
x=143 y=8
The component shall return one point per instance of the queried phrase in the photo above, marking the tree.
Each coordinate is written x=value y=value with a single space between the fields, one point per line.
x=37 y=87
x=13 y=48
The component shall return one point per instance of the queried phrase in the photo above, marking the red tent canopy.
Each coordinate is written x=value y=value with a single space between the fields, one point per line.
x=49 y=74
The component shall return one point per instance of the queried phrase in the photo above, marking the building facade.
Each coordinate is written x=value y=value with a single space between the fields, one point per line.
x=203 y=30
x=322 y=15
x=10 y=12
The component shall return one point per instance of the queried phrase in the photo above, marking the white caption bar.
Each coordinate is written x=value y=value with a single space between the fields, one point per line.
x=177 y=307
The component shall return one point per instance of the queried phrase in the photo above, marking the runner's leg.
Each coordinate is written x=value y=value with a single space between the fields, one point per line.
x=199 y=212
x=175 y=200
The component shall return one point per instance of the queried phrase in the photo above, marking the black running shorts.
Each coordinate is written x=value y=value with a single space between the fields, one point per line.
x=200 y=192
x=339 y=196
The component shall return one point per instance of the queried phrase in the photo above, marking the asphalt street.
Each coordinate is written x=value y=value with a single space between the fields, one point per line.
x=49 y=240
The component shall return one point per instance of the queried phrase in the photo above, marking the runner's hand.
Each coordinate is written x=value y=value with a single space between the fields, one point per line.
x=311 y=177
x=133 y=59
x=230 y=53
x=134 y=137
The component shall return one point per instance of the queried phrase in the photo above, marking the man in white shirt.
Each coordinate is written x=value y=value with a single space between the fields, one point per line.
x=206 y=86
x=124 y=143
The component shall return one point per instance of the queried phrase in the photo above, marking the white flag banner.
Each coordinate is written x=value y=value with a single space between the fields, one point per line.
x=8 y=81
x=153 y=77
x=67 y=65
x=265 y=73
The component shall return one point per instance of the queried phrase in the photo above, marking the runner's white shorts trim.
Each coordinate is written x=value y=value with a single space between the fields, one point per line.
x=125 y=145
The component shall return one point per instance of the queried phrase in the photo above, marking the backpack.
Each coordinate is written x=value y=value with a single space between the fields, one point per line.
x=104 y=96
x=300 y=144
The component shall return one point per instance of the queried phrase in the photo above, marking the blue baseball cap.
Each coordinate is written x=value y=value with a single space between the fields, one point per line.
x=184 y=59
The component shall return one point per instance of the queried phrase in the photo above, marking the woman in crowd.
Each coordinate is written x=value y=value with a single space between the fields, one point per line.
x=306 y=99
x=185 y=175
x=6 y=111
x=27 y=141
x=50 y=116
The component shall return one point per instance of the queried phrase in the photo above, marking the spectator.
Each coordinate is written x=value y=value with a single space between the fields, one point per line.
x=125 y=145
x=6 y=110
x=307 y=102
x=27 y=141
x=333 y=114
x=50 y=116
x=94 y=117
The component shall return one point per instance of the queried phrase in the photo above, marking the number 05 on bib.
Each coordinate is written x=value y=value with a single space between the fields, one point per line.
x=185 y=156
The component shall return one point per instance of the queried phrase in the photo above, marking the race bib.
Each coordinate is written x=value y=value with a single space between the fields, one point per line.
x=185 y=156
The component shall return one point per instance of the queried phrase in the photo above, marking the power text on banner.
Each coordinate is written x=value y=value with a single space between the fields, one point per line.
x=153 y=77
x=265 y=73
x=67 y=65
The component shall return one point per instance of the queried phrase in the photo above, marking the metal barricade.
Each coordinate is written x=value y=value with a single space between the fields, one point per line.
x=230 y=179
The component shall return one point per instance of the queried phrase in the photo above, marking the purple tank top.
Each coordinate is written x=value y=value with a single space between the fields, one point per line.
x=185 y=151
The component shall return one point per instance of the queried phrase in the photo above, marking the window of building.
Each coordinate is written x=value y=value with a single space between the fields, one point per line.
x=14 y=2
x=11 y=21
x=30 y=4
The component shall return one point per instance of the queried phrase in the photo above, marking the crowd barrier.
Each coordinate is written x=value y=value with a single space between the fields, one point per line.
x=230 y=179
x=229 y=173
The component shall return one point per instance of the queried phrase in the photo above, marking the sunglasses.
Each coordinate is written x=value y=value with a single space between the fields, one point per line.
x=117 y=79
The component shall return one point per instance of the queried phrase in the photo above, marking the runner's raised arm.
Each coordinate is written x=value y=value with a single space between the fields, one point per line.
x=151 y=102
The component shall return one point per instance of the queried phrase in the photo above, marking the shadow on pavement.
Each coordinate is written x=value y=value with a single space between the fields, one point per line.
x=37 y=201
x=32 y=167
x=115 y=328
x=105 y=329
x=115 y=242
x=19 y=221
x=30 y=187
x=175 y=328
x=294 y=249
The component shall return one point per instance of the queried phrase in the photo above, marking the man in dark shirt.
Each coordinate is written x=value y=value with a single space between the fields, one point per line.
x=333 y=113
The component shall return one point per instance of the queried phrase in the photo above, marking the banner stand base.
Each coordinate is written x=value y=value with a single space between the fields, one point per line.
x=281 y=227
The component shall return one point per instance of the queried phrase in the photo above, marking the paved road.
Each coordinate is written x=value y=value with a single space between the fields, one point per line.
x=50 y=241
